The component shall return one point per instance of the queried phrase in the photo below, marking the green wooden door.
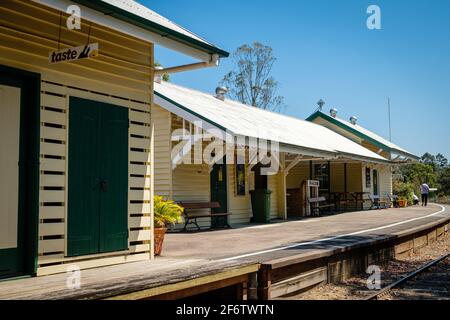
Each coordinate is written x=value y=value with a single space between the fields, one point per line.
x=113 y=161
x=98 y=178
x=19 y=171
x=219 y=192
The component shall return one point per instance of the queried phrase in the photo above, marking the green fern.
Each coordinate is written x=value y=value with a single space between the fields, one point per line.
x=166 y=212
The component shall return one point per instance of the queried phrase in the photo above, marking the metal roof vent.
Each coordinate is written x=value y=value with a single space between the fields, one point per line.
x=159 y=76
x=221 y=92
x=353 y=120
x=334 y=112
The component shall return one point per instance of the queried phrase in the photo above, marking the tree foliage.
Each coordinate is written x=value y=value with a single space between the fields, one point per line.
x=444 y=181
x=432 y=169
x=251 y=82
x=166 y=76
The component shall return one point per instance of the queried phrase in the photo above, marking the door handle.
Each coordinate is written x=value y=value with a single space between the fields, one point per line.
x=104 y=184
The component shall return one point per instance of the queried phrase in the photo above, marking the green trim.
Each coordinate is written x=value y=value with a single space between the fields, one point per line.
x=30 y=84
x=319 y=114
x=357 y=133
x=126 y=16
x=176 y=104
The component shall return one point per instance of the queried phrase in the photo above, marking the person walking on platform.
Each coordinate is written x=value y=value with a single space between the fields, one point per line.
x=425 y=191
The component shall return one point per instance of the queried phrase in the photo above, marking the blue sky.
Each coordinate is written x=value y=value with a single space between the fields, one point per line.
x=324 y=50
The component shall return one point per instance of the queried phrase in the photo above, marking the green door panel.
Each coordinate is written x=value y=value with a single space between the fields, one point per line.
x=98 y=178
x=113 y=161
x=83 y=199
x=219 y=192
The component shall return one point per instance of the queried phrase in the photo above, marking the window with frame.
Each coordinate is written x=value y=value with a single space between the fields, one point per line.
x=240 y=179
x=368 y=179
x=322 y=174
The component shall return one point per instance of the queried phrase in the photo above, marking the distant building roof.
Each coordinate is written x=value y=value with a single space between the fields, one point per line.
x=245 y=121
x=137 y=14
x=364 y=134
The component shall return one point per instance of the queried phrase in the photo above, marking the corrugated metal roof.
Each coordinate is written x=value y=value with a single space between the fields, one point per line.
x=364 y=132
x=243 y=120
x=134 y=12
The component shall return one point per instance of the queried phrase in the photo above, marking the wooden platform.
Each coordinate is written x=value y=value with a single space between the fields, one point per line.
x=160 y=279
x=342 y=259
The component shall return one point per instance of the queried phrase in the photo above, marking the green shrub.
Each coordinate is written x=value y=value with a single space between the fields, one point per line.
x=404 y=190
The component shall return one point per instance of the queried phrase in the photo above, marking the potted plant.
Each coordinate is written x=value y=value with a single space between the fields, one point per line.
x=166 y=212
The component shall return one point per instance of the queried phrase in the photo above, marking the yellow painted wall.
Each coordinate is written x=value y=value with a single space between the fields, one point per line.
x=273 y=185
x=122 y=75
x=297 y=175
x=354 y=177
x=337 y=177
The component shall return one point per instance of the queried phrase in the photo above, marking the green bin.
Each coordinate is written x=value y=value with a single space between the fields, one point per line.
x=261 y=205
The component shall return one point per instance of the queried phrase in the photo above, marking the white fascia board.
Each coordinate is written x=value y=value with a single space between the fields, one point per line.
x=306 y=152
x=127 y=28
x=363 y=159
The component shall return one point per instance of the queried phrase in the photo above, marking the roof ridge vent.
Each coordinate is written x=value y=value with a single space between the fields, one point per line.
x=221 y=92
x=333 y=112
x=353 y=120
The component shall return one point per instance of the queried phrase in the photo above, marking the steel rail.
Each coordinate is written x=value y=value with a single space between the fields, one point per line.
x=407 y=278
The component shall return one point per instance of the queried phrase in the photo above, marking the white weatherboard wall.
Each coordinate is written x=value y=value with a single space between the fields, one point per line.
x=121 y=75
x=384 y=180
x=9 y=168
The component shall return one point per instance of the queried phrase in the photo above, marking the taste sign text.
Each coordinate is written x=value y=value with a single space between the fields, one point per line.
x=73 y=54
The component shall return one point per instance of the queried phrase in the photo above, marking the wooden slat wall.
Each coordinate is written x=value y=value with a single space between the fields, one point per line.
x=163 y=146
x=120 y=75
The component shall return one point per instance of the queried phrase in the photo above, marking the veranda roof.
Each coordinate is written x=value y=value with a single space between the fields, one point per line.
x=239 y=120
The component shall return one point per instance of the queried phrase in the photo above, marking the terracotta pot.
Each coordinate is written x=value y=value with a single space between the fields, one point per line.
x=159 y=239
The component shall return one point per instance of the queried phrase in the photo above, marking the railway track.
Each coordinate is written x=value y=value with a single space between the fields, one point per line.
x=431 y=281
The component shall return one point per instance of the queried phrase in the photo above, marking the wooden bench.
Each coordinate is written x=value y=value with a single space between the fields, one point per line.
x=191 y=218
x=376 y=202
x=318 y=205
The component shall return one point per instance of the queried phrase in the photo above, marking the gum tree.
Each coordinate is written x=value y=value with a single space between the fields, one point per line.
x=251 y=81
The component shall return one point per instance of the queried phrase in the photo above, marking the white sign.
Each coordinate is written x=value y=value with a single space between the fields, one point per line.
x=313 y=183
x=73 y=54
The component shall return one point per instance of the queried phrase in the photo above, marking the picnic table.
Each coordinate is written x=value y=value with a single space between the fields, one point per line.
x=345 y=198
